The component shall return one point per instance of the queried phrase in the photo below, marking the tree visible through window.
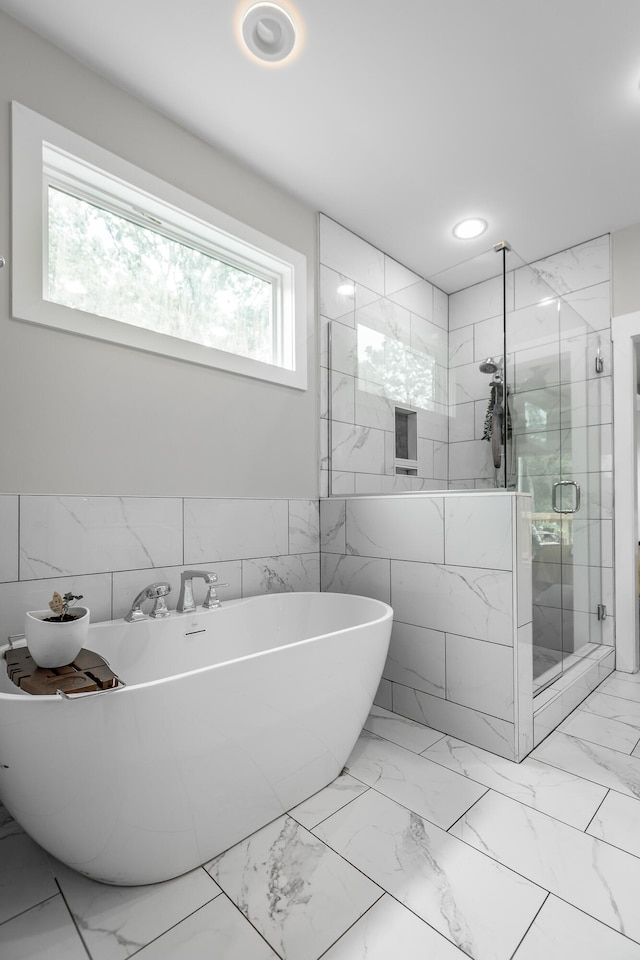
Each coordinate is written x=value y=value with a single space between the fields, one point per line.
x=108 y=265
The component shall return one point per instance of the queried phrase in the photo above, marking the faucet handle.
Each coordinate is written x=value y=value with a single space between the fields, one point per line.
x=212 y=600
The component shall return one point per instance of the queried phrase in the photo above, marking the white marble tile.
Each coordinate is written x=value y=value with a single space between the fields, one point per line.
x=115 y=922
x=416 y=297
x=231 y=529
x=606 y=732
x=488 y=339
x=478 y=533
x=346 y=253
x=332 y=526
x=472 y=726
x=45 y=932
x=25 y=875
x=618 y=686
x=591 y=305
x=334 y=304
x=617 y=821
x=629 y=677
x=343 y=483
x=471 y=900
x=397 y=276
x=372 y=408
x=18 y=597
x=470 y=460
x=80 y=535
x=8 y=537
x=343 y=349
x=560 y=932
x=391 y=321
x=462 y=422
x=440 y=308
x=479 y=302
x=321 y=805
x=294 y=890
x=559 y=794
x=367 y=577
x=480 y=675
x=304 y=526
x=616 y=708
x=425 y=787
x=467 y=382
x=466 y=601
x=580 y=266
x=580 y=869
x=388 y=928
x=384 y=695
x=461 y=346
x=280 y=574
x=591 y=761
x=416 y=658
x=357 y=449
x=407 y=733
x=397 y=528
x=215 y=930
x=343 y=390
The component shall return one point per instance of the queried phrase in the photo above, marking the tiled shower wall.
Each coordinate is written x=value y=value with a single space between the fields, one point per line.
x=109 y=548
x=456 y=569
x=386 y=328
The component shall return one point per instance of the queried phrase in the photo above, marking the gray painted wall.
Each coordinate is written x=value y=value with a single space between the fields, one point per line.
x=85 y=417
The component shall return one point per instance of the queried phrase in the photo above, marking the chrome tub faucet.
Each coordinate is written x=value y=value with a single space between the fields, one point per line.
x=186 y=602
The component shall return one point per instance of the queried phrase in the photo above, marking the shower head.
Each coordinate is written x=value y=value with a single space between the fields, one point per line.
x=490 y=365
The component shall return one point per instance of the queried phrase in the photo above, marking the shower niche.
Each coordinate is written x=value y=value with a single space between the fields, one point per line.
x=406 y=442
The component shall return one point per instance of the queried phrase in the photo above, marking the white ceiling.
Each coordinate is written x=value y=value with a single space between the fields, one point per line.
x=399 y=117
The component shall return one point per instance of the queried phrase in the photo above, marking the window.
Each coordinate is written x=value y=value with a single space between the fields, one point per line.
x=104 y=249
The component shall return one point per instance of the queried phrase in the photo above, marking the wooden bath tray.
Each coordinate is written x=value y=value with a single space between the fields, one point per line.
x=88 y=673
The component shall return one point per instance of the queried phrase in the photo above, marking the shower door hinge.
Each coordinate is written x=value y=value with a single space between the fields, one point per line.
x=602 y=611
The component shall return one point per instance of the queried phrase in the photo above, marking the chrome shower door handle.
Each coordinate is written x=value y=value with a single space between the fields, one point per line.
x=554 y=496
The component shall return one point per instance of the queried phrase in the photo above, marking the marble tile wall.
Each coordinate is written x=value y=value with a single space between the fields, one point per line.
x=383 y=343
x=457 y=570
x=109 y=548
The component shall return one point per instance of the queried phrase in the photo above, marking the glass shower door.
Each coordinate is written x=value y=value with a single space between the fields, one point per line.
x=556 y=455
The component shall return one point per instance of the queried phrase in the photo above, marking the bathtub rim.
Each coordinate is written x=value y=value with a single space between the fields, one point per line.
x=386 y=614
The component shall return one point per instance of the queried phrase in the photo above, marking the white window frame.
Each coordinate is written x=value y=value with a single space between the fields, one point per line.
x=45 y=152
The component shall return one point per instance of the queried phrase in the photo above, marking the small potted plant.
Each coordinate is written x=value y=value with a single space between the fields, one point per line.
x=56 y=636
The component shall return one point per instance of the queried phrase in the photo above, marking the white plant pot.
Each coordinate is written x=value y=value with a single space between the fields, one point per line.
x=56 y=644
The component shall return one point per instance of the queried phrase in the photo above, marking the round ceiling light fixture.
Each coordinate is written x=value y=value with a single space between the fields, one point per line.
x=470 y=229
x=269 y=31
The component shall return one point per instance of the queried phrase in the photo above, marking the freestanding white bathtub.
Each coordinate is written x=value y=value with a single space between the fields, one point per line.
x=229 y=718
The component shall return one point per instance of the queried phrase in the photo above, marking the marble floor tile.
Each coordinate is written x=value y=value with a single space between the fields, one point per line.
x=591 y=761
x=627 y=677
x=618 y=822
x=322 y=804
x=406 y=733
x=602 y=730
x=294 y=889
x=379 y=933
x=586 y=872
x=8 y=826
x=45 y=932
x=560 y=932
x=25 y=875
x=617 y=687
x=483 y=908
x=427 y=788
x=566 y=797
x=614 y=708
x=116 y=922
x=216 y=930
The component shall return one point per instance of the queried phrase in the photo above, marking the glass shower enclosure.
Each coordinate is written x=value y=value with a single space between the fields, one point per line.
x=544 y=370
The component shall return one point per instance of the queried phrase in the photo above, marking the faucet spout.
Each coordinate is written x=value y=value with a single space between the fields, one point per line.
x=186 y=602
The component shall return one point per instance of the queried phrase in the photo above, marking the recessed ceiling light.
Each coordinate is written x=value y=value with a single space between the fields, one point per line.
x=269 y=31
x=469 y=229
